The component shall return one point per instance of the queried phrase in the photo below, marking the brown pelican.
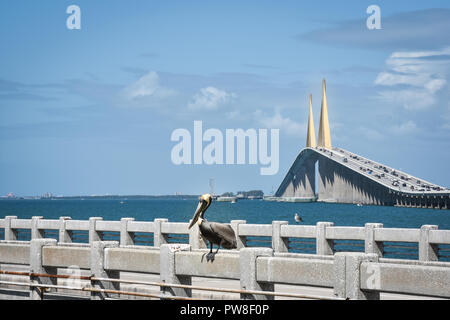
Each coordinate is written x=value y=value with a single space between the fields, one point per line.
x=297 y=218
x=216 y=233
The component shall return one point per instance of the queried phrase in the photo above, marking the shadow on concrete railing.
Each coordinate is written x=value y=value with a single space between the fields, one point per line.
x=351 y=275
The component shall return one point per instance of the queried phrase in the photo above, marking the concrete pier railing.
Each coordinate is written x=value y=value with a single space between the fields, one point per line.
x=351 y=275
x=427 y=243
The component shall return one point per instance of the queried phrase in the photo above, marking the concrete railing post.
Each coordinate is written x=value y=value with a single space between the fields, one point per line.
x=35 y=232
x=126 y=238
x=36 y=245
x=65 y=236
x=241 y=241
x=370 y=245
x=94 y=235
x=324 y=246
x=247 y=262
x=279 y=244
x=196 y=241
x=158 y=237
x=97 y=264
x=10 y=233
x=347 y=276
x=168 y=272
x=427 y=251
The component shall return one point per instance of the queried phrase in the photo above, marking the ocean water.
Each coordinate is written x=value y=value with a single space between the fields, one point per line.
x=253 y=211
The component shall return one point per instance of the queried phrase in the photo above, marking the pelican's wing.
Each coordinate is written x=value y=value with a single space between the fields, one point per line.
x=225 y=232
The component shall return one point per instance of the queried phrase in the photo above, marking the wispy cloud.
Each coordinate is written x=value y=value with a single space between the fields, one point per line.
x=210 y=98
x=260 y=66
x=278 y=121
x=422 y=29
x=404 y=128
x=415 y=77
x=446 y=118
x=147 y=86
x=12 y=91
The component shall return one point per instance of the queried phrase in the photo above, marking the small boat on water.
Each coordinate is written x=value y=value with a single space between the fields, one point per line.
x=227 y=199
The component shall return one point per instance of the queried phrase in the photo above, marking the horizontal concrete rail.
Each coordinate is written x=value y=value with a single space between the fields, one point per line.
x=21 y=224
x=225 y=265
x=132 y=260
x=345 y=233
x=48 y=224
x=107 y=226
x=77 y=225
x=291 y=231
x=325 y=233
x=66 y=256
x=440 y=236
x=175 y=227
x=141 y=226
x=15 y=252
x=257 y=230
x=311 y=272
x=407 y=279
x=397 y=234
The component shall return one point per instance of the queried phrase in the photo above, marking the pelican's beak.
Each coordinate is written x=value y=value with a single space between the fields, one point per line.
x=201 y=206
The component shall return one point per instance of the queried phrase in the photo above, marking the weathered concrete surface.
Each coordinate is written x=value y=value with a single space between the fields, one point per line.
x=316 y=272
x=36 y=266
x=248 y=266
x=133 y=259
x=225 y=264
x=18 y=253
x=60 y=256
x=347 y=276
x=97 y=266
x=168 y=272
x=413 y=279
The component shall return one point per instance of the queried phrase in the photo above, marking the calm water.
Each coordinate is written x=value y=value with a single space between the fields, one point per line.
x=254 y=211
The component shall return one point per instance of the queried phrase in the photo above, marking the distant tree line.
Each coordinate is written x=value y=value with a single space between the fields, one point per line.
x=251 y=193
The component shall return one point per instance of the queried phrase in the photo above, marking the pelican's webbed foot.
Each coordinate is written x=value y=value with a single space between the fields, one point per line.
x=210 y=256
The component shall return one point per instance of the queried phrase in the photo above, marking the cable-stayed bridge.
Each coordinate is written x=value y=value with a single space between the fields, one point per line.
x=345 y=177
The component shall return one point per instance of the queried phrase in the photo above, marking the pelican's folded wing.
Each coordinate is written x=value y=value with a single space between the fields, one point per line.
x=226 y=233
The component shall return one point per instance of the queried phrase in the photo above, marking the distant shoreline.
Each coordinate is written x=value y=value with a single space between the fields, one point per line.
x=108 y=197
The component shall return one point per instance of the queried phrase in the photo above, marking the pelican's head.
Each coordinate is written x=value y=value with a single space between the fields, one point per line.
x=203 y=204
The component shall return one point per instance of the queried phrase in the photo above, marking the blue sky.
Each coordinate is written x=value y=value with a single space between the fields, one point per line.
x=91 y=111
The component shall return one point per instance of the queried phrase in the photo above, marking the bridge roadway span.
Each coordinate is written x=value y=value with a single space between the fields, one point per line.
x=345 y=177
x=367 y=274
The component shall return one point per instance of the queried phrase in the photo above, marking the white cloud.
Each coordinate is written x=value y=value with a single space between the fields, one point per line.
x=210 y=98
x=147 y=86
x=446 y=118
x=410 y=99
x=233 y=114
x=372 y=134
x=407 y=127
x=420 y=75
x=277 y=121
